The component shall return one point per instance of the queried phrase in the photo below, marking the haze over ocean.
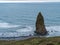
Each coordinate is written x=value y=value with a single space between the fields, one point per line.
x=18 y=19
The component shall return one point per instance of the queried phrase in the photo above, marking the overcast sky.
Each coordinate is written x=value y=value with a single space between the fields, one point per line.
x=34 y=0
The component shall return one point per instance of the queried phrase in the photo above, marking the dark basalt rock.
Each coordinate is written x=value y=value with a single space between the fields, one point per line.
x=40 y=26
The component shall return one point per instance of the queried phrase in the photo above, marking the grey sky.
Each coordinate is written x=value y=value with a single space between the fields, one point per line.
x=34 y=0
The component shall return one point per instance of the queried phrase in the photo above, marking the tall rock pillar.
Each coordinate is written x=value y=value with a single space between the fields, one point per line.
x=40 y=26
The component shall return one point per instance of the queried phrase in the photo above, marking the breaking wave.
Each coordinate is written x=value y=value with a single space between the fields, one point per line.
x=18 y=30
x=24 y=31
x=7 y=25
x=53 y=31
x=28 y=30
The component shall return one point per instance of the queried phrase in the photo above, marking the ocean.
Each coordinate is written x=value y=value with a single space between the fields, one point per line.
x=18 y=19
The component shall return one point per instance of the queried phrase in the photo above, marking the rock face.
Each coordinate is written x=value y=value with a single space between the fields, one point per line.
x=40 y=27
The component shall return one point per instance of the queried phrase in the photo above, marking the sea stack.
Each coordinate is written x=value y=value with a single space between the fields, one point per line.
x=40 y=26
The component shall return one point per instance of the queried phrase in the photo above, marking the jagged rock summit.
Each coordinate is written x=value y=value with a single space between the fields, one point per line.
x=40 y=26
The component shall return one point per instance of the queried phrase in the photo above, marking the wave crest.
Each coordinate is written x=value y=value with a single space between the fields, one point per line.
x=7 y=25
x=28 y=30
x=53 y=30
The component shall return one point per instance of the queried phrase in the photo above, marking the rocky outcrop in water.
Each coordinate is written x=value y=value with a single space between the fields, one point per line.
x=40 y=26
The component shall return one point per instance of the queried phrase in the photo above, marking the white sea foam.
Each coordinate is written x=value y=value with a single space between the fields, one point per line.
x=19 y=32
x=53 y=30
x=7 y=25
x=9 y=34
x=28 y=30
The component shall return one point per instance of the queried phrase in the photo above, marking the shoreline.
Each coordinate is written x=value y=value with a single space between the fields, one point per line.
x=23 y=37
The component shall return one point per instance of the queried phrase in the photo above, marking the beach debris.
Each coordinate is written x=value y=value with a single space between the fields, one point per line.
x=40 y=26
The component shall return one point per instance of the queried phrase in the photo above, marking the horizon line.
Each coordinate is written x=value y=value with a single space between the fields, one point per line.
x=26 y=1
